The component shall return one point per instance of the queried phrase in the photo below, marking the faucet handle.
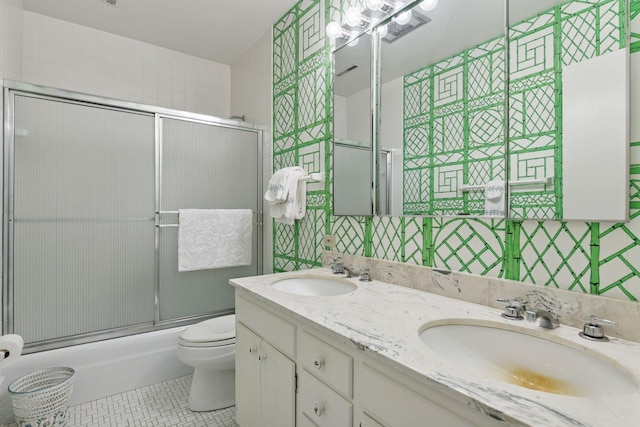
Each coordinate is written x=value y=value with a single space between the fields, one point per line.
x=513 y=309
x=595 y=320
x=364 y=275
x=592 y=330
x=337 y=267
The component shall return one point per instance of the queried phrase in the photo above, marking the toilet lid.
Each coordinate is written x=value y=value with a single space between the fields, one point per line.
x=218 y=330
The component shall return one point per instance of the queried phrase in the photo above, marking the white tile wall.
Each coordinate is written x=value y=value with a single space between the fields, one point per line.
x=69 y=56
x=252 y=94
x=11 y=13
x=51 y=52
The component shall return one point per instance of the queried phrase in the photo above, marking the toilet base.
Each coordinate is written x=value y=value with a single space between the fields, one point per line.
x=212 y=390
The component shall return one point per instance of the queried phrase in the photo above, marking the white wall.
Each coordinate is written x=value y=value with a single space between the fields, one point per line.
x=251 y=90
x=69 y=56
x=11 y=19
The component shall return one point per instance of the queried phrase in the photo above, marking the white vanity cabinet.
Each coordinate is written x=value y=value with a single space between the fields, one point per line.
x=337 y=384
x=265 y=371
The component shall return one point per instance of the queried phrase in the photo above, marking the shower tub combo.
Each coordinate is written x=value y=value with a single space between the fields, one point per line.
x=91 y=191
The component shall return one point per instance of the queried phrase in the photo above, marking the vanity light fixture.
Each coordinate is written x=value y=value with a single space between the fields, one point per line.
x=428 y=5
x=354 y=18
x=357 y=21
x=381 y=5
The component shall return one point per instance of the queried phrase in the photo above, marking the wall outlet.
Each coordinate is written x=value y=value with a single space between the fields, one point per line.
x=329 y=240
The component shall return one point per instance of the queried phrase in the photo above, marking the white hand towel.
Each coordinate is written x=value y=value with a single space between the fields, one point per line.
x=277 y=190
x=297 y=200
x=214 y=238
x=287 y=195
x=494 y=198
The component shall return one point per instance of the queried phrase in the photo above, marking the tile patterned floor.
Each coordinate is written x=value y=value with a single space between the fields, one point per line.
x=158 y=405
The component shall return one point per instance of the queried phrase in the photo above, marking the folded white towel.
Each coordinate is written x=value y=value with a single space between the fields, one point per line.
x=277 y=189
x=494 y=198
x=296 y=204
x=214 y=238
x=287 y=195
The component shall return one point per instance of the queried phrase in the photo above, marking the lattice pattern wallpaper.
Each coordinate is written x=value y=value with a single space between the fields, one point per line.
x=454 y=131
x=596 y=258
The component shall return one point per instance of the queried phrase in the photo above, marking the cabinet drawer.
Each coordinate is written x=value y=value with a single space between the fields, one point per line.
x=278 y=332
x=323 y=406
x=327 y=363
x=367 y=421
x=399 y=406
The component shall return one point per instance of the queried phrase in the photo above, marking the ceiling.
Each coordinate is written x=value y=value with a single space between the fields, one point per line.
x=218 y=30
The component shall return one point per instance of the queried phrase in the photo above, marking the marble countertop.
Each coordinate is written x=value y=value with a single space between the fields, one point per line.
x=384 y=321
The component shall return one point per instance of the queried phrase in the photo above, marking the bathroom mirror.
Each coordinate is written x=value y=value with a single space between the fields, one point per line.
x=352 y=128
x=442 y=110
x=569 y=110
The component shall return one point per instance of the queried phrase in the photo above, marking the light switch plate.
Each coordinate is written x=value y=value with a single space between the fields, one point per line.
x=329 y=240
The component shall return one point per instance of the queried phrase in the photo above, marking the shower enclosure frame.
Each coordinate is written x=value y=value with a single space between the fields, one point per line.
x=12 y=88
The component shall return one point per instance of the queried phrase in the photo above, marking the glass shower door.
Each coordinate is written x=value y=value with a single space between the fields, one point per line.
x=204 y=166
x=82 y=219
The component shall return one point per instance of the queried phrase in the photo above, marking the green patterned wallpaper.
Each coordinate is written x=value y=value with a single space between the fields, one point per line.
x=454 y=131
x=596 y=258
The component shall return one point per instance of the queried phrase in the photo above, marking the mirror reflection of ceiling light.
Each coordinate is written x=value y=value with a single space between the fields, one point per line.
x=383 y=30
x=428 y=5
x=404 y=17
x=354 y=39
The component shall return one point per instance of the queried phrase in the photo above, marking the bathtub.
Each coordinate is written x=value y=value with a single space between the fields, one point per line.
x=104 y=368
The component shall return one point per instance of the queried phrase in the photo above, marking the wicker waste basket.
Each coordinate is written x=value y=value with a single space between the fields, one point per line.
x=41 y=398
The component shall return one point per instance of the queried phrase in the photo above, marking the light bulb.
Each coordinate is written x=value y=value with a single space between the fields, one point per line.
x=403 y=18
x=354 y=39
x=375 y=4
x=334 y=30
x=398 y=5
x=353 y=17
x=381 y=5
x=428 y=5
x=383 y=30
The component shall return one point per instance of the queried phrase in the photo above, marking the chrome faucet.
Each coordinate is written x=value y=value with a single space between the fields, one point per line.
x=546 y=319
x=350 y=272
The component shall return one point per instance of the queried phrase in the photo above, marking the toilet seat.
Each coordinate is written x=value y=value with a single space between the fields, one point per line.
x=217 y=332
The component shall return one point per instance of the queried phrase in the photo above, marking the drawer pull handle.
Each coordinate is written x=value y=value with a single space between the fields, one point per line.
x=262 y=357
x=253 y=350
x=318 y=363
x=318 y=409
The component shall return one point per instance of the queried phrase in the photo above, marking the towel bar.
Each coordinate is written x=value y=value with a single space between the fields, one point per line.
x=177 y=225
x=319 y=176
x=548 y=180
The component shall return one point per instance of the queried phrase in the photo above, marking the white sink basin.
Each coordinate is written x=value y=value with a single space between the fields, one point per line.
x=315 y=286
x=519 y=358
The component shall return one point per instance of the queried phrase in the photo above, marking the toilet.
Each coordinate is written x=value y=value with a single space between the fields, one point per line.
x=210 y=347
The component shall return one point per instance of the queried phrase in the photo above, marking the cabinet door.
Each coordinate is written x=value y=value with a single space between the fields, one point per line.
x=277 y=388
x=247 y=377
